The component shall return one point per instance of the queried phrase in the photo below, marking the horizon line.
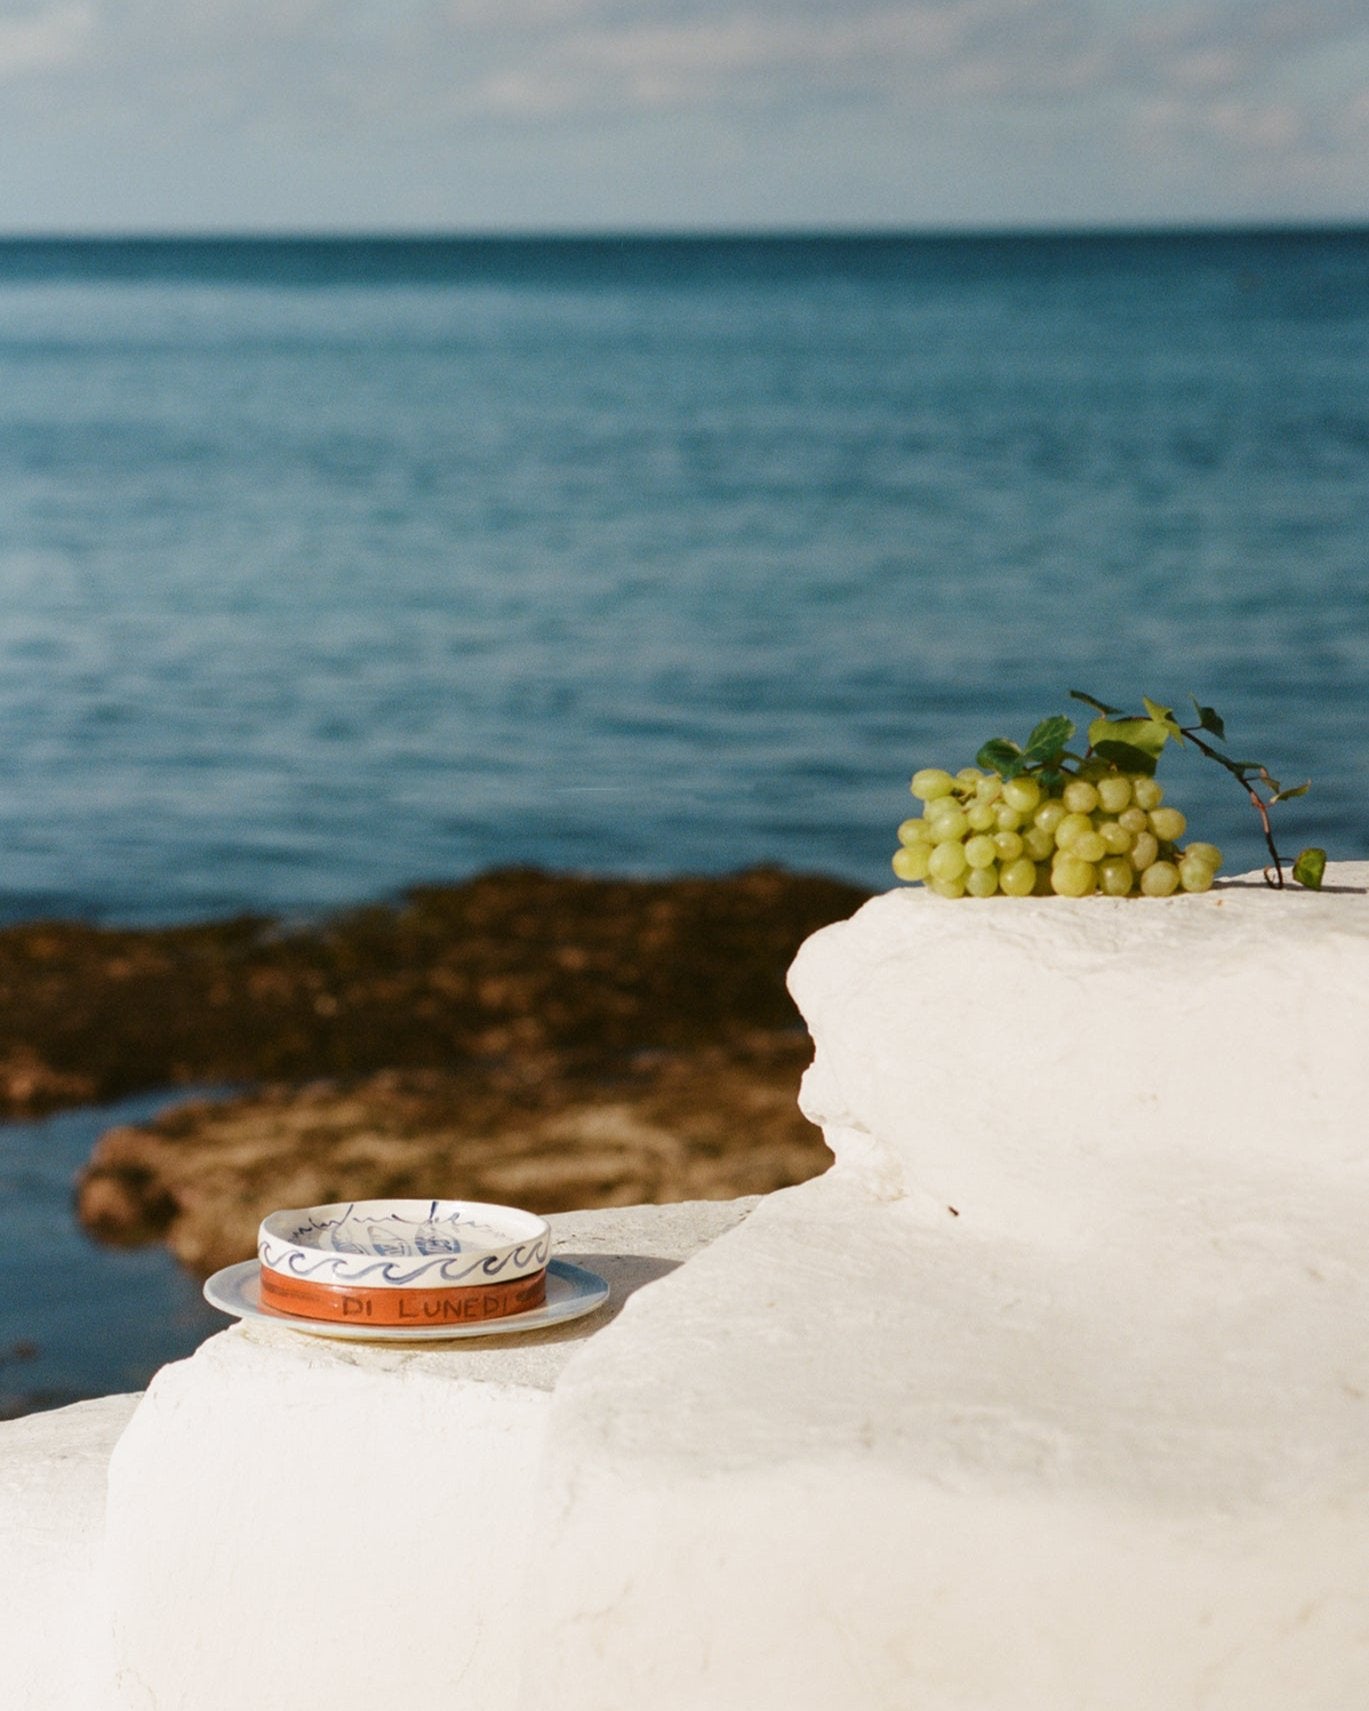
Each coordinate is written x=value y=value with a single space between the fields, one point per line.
x=693 y=234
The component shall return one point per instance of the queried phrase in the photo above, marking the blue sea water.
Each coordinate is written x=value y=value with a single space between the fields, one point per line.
x=327 y=567
x=78 y=1320
x=332 y=566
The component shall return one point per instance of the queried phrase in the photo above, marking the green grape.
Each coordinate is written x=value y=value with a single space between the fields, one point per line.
x=1071 y=827
x=1114 y=792
x=1022 y=793
x=1079 y=796
x=1167 y=824
x=982 y=881
x=1071 y=877
x=980 y=834
x=1117 y=840
x=948 y=804
x=1018 y=878
x=1088 y=846
x=949 y=825
x=912 y=861
x=947 y=861
x=1160 y=879
x=1144 y=851
x=930 y=783
x=1116 y=876
x=1038 y=843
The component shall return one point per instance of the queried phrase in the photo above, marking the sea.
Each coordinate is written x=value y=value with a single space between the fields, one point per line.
x=334 y=565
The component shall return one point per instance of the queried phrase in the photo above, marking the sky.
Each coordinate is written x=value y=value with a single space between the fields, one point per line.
x=621 y=115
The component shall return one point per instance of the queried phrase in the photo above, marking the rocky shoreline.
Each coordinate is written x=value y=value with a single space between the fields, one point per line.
x=555 y=1040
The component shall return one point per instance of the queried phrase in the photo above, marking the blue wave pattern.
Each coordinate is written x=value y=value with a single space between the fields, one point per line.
x=329 y=567
x=344 y=1268
x=358 y=1247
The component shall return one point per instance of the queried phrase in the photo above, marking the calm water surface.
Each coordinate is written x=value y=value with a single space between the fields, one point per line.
x=331 y=567
x=79 y=1320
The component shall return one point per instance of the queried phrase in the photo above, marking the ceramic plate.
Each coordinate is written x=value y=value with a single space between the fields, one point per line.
x=571 y=1293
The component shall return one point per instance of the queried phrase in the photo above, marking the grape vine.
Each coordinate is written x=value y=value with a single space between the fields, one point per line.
x=1133 y=743
x=1045 y=819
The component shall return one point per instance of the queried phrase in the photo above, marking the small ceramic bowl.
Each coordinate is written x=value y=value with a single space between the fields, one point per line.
x=403 y=1262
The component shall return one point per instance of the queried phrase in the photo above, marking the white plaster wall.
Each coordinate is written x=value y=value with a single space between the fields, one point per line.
x=1061 y=1066
x=1053 y=1394
x=801 y=1587
x=1019 y=1408
x=352 y=1522
x=948 y=1475
x=54 y=1614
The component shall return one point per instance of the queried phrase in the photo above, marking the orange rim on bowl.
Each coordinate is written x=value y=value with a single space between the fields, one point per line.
x=403 y=1262
x=458 y=1305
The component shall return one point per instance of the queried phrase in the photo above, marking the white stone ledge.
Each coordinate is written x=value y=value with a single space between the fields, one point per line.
x=54 y=1609
x=1020 y=1407
x=358 y=1519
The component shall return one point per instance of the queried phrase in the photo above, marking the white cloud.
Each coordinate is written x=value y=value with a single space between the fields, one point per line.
x=662 y=65
x=751 y=56
x=1172 y=92
x=1262 y=127
x=446 y=58
x=39 y=41
x=1200 y=50
x=922 y=54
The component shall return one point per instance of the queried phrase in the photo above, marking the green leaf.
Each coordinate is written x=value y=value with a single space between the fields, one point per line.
x=1001 y=756
x=1309 y=868
x=1093 y=701
x=1208 y=720
x=1149 y=735
x=1126 y=756
x=1049 y=737
x=1164 y=716
x=1288 y=795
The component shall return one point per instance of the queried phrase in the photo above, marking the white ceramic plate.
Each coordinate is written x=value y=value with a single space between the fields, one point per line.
x=571 y=1293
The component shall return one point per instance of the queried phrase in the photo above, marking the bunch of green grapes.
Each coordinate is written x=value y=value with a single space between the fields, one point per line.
x=1106 y=830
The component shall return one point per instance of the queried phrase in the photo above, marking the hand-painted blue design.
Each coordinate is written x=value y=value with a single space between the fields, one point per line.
x=429 y=1240
x=431 y=1274
x=394 y=1235
x=390 y=1242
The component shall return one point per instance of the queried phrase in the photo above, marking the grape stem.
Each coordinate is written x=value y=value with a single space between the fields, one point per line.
x=1240 y=774
x=1121 y=736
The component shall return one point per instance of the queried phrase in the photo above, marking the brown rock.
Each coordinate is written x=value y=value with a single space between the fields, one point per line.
x=516 y=962
x=710 y=1124
x=552 y=1041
